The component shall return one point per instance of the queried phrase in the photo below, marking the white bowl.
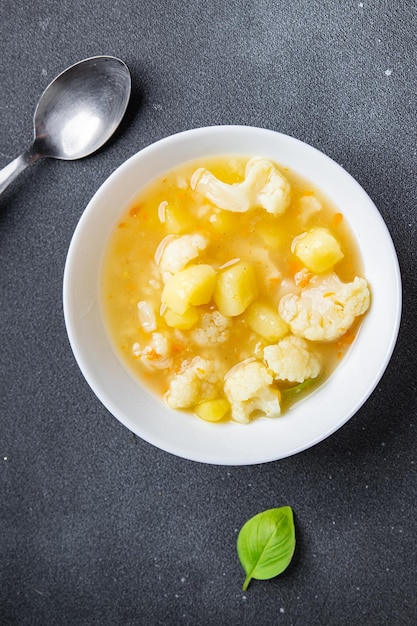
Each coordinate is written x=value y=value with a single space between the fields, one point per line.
x=263 y=440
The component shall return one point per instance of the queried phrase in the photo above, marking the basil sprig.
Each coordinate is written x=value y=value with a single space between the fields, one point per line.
x=266 y=544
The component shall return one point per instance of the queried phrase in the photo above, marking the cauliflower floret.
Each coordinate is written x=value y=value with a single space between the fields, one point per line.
x=290 y=359
x=175 y=252
x=214 y=328
x=155 y=355
x=147 y=316
x=264 y=186
x=197 y=381
x=326 y=309
x=309 y=206
x=248 y=389
x=266 y=261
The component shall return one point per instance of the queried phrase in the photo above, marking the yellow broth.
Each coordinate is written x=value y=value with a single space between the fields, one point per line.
x=129 y=273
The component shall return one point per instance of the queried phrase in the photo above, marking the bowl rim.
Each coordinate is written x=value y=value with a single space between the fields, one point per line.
x=209 y=136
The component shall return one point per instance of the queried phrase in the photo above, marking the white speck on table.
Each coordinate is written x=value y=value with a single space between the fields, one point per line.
x=44 y=23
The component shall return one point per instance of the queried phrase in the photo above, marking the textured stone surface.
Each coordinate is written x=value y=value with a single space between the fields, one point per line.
x=99 y=527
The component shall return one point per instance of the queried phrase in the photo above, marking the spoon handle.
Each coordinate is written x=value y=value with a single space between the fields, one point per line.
x=13 y=169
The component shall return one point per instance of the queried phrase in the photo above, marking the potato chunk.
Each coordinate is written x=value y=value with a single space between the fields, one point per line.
x=236 y=289
x=212 y=410
x=222 y=222
x=182 y=322
x=176 y=219
x=318 y=250
x=193 y=285
x=266 y=321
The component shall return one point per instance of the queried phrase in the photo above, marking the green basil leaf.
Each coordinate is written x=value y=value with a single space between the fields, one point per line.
x=290 y=393
x=266 y=544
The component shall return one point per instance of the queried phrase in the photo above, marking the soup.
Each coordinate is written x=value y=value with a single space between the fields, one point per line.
x=232 y=288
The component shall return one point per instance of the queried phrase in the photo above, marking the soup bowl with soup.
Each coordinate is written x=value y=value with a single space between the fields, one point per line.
x=232 y=295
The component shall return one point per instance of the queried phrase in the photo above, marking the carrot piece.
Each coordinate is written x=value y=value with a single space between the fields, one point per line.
x=302 y=278
x=295 y=266
x=135 y=210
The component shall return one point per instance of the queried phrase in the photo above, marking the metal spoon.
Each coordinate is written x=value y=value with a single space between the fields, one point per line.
x=76 y=114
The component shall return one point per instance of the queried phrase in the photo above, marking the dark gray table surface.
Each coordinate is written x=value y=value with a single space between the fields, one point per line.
x=96 y=525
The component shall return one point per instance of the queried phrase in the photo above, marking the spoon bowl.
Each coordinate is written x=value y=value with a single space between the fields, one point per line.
x=77 y=113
